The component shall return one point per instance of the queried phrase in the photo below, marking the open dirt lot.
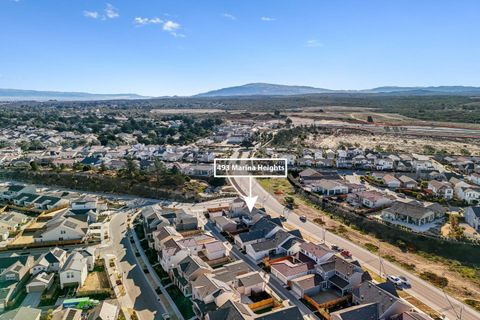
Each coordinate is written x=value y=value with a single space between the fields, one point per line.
x=391 y=142
x=186 y=111
x=96 y=280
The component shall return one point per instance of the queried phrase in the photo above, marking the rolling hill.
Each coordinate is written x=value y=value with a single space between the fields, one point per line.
x=267 y=89
x=18 y=95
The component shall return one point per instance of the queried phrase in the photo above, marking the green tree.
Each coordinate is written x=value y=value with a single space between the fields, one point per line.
x=131 y=169
x=34 y=166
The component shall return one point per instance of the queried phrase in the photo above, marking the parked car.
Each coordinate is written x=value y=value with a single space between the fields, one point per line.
x=346 y=254
x=405 y=282
x=336 y=248
x=303 y=218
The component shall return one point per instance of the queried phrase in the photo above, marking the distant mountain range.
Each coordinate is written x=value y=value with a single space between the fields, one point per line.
x=17 y=94
x=267 y=89
x=251 y=89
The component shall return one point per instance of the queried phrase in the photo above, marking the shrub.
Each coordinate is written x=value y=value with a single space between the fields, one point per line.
x=435 y=279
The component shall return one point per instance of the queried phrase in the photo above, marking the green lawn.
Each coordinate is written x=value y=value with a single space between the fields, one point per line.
x=184 y=304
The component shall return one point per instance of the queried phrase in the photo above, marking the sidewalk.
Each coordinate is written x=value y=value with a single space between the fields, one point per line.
x=172 y=307
x=119 y=291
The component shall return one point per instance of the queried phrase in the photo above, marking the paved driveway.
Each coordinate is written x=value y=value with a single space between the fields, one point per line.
x=32 y=299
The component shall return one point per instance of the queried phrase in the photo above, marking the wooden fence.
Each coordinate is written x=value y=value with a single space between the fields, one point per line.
x=265 y=303
x=317 y=306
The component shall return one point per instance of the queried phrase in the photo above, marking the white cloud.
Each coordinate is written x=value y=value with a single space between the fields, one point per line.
x=91 y=14
x=229 y=16
x=111 y=12
x=144 y=21
x=169 y=26
x=267 y=19
x=313 y=43
x=172 y=28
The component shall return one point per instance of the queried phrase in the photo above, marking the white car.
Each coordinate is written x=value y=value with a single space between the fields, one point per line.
x=395 y=280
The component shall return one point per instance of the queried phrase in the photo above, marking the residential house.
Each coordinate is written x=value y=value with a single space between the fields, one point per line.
x=309 y=284
x=13 y=191
x=52 y=260
x=370 y=199
x=391 y=182
x=15 y=268
x=467 y=192
x=383 y=164
x=309 y=175
x=277 y=244
x=387 y=301
x=225 y=224
x=25 y=199
x=340 y=274
x=85 y=203
x=410 y=213
x=367 y=311
x=319 y=253
x=163 y=234
x=474 y=178
x=187 y=271
x=208 y=292
x=170 y=254
x=407 y=183
x=67 y=314
x=104 y=311
x=185 y=222
x=285 y=270
x=422 y=165
x=472 y=217
x=4 y=234
x=50 y=202
x=237 y=311
x=41 y=282
x=328 y=187
x=61 y=229
x=22 y=313
x=12 y=220
x=441 y=189
x=199 y=170
x=249 y=283
x=214 y=250
x=89 y=254
x=262 y=229
x=74 y=272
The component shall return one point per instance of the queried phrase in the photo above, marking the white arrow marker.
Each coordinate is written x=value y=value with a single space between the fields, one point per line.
x=250 y=201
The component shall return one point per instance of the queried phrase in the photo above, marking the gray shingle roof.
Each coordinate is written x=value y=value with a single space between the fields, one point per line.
x=363 y=311
x=409 y=209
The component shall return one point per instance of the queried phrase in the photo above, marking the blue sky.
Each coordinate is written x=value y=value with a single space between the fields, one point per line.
x=168 y=47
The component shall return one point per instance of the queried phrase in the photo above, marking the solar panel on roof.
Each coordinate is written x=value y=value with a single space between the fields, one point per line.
x=70 y=224
x=71 y=314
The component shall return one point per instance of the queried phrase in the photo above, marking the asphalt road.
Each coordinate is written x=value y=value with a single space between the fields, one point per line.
x=420 y=289
x=140 y=295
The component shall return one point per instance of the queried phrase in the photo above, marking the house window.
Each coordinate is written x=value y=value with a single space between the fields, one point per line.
x=62 y=231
